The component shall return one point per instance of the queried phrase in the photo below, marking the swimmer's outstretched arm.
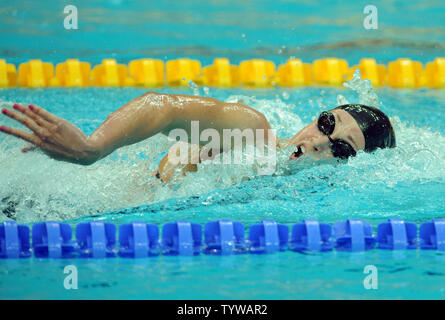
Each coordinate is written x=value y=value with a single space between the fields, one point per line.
x=154 y=112
x=139 y=119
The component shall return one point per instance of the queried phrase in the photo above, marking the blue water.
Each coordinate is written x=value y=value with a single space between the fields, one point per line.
x=406 y=182
x=238 y=30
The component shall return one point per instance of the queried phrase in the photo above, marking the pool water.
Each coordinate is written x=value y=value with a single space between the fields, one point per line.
x=287 y=275
x=234 y=29
x=407 y=182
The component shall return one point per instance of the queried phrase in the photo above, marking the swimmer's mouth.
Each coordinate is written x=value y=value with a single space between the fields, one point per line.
x=297 y=154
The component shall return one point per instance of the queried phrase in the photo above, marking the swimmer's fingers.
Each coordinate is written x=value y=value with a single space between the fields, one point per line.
x=32 y=138
x=52 y=151
x=28 y=122
x=37 y=119
x=48 y=116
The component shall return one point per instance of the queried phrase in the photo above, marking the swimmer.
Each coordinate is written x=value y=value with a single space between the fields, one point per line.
x=338 y=133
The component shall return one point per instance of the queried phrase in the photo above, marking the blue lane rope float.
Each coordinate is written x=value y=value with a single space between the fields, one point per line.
x=181 y=238
x=268 y=237
x=97 y=239
x=432 y=235
x=353 y=235
x=138 y=240
x=397 y=234
x=14 y=240
x=224 y=237
x=311 y=236
x=52 y=240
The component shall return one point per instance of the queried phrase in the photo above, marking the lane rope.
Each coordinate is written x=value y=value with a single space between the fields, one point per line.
x=255 y=73
x=97 y=239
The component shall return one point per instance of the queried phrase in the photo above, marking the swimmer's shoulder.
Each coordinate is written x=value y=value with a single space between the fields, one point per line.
x=239 y=112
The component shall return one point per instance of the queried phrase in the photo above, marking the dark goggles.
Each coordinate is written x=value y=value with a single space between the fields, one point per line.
x=339 y=148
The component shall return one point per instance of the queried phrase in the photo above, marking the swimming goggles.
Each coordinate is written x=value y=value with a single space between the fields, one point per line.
x=339 y=148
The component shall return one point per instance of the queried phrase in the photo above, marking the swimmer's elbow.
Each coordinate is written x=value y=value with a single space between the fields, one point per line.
x=87 y=162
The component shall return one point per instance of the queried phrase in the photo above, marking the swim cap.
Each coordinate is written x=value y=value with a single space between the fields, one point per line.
x=375 y=125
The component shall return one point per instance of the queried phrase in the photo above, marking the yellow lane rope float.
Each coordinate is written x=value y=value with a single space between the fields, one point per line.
x=255 y=73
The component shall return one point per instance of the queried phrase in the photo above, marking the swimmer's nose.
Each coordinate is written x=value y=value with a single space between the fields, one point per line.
x=313 y=141
x=320 y=145
x=308 y=133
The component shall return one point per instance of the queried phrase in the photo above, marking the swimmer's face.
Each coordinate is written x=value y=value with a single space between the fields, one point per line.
x=312 y=142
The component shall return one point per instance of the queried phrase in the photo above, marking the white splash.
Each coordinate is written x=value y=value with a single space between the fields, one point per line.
x=363 y=88
x=194 y=87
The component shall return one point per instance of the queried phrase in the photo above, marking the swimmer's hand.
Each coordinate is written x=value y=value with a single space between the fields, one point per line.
x=57 y=137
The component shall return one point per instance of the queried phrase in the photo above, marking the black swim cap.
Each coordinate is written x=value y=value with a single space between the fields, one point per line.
x=375 y=125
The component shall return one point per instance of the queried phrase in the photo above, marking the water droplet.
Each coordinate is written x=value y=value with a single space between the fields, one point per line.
x=194 y=87
x=285 y=95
